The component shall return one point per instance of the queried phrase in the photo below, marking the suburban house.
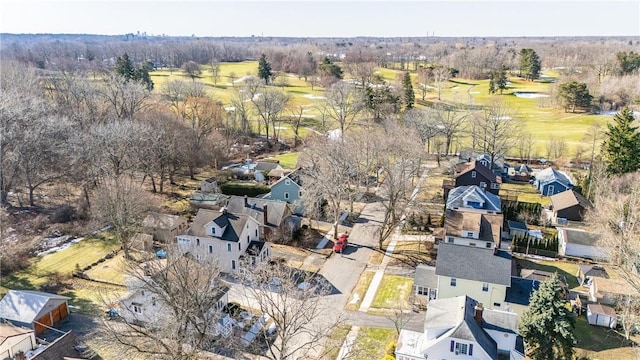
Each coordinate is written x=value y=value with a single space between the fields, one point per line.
x=142 y=306
x=209 y=185
x=498 y=166
x=609 y=290
x=586 y=273
x=164 y=227
x=484 y=274
x=288 y=189
x=275 y=217
x=474 y=173
x=522 y=172
x=473 y=229
x=570 y=205
x=462 y=328
x=263 y=168
x=33 y=309
x=425 y=282
x=142 y=242
x=15 y=340
x=540 y=276
x=580 y=243
x=550 y=181
x=224 y=237
x=601 y=315
x=472 y=198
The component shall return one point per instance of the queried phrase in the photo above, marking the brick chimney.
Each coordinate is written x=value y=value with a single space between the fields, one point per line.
x=478 y=313
x=264 y=213
x=246 y=201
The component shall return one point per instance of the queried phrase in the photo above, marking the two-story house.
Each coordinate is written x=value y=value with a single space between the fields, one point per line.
x=275 y=217
x=224 y=237
x=474 y=173
x=473 y=217
x=462 y=328
x=288 y=189
x=550 y=181
x=481 y=273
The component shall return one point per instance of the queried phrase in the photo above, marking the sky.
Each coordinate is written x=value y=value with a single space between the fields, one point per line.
x=328 y=18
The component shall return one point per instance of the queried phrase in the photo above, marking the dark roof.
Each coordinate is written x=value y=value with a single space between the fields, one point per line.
x=593 y=270
x=580 y=237
x=276 y=210
x=567 y=199
x=255 y=247
x=266 y=166
x=474 y=263
x=482 y=170
x=517 y=225
x=520 y=290
x=65 y=347
x=523 y=168
x=540 y=275
x=234 y=224
x=461 y=194
x=425 y=276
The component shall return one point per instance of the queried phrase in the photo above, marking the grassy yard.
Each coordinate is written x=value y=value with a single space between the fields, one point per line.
x=288 y=160
x=567 y=269
x=360 y=290
x=411 y=253
x=371 y=343
x=335 y=341
x=111 y=270
x=601 y=343
x=393 y=292
x=525 y=193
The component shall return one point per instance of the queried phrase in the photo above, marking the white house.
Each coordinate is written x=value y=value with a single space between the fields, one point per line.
x=580 y=243
x=601 y=315
x=472 y=198
x=33 y=309
x=461 y=328
x=15 y=340
x=224 y=237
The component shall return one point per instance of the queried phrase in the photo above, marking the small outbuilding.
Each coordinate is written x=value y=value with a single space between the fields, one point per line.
x=601 y=315
x=570 y=205
x=33 y=309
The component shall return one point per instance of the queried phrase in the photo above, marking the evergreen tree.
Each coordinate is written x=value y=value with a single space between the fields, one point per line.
x=328 y=68
x=498 y=80
x=529 y=64
x=547 y=326
x=264 y=69
x=409 y=95
x=622 y=146
x=142 y=75
x=124 y=67
x=574 y=94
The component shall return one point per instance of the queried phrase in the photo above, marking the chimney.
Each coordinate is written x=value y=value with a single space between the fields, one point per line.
x=478 y=313
x=264 y=213
x=246 y=201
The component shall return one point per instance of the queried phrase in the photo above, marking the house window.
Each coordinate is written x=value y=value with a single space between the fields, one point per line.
x=450 y=240
x=239 y=247
x=473 y=174
x=210 y=249
x=248 y=236
x=453 y=282
x=137 y=308
x=229 y=247
x=253 y=260
x=233 y=264
x=488 y=245
x=472 y=244
x=469 y=234
x=461 y=348
x=483 y=185
x=183 y=241
x=256 y=232
x=422 y=290
x=213 y=231
x=495 y=186
x=550 y=190
x=485 y=287
x=286 y=195
x=197 y=242
x=496 y=304
x=287 y=181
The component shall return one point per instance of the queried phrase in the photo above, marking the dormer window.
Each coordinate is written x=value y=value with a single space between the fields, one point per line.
x=213 y=231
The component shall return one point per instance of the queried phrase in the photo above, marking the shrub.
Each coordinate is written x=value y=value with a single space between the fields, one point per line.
x=390 y=350
x=63 y=214
x=241 y=189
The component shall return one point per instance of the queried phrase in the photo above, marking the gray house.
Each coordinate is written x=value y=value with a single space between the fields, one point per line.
x=274 y=216
x=289 y=190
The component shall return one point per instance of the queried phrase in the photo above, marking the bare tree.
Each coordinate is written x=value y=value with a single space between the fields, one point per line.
x=343 y=103
x=441 y=75
x=185 y=299
x=293 y=300
x=451 y=122
x=123 y=204
x=125 y=98
x=192 y=69
x=525 y=146
x=269 y=104
x=424 y=78
x=628 y=307
x=240 y=101
x=497 y=129
x=215 y=71
x=233 y=77
x=297 y=112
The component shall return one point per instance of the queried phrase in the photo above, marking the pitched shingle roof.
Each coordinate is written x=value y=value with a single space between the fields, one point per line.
x=276 y=210
x=474 y=263
x=488 y=225
x=25 y=305
x=234 y=224
x=580 y=237
x=161 y=221
x=425 y=276
x=567 y=199
x=461 y=194
x=482 y=170
x=550 y=174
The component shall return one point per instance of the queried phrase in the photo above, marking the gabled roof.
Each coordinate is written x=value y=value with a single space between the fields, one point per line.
x=234 y=224
x=523 y=168
x=25 y=306
x=593 y=270
x=520 y=290
x=266 y=166
x=601 y=309
x=162 y=221
x=579 y=237
x=8 y=330
x=487 y=225
x=474 y=263
x=294 y=176
x=255 y=247
x=482 y=170
x=425 y=276
x=276 y=210
x=567 y=199
x=461 y=194
x=550 y=174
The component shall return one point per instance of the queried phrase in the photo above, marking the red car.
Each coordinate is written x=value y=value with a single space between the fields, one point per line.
x=341 y=243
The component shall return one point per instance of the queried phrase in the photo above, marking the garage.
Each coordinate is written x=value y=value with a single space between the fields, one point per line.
x=33 y=309
x=601 y=315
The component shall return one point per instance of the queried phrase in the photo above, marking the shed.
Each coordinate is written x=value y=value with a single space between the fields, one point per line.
x=33 y=309
x=601 y=315
x=570 y=205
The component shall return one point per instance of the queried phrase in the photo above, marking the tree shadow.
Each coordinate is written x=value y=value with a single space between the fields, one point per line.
x=597 y=338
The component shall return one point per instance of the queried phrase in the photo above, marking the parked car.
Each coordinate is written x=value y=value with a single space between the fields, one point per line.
x=341 y=243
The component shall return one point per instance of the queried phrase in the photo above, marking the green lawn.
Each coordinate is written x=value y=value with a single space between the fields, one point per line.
x=288 y=160
x=393 y=292
x=335 y=341
x=567 y=269
x=598 y=342
x=111 y=270
x=371 y=343
x=525 y=193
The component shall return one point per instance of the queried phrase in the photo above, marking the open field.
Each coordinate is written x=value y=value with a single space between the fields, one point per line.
x=539 y=115
x=393 y=292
